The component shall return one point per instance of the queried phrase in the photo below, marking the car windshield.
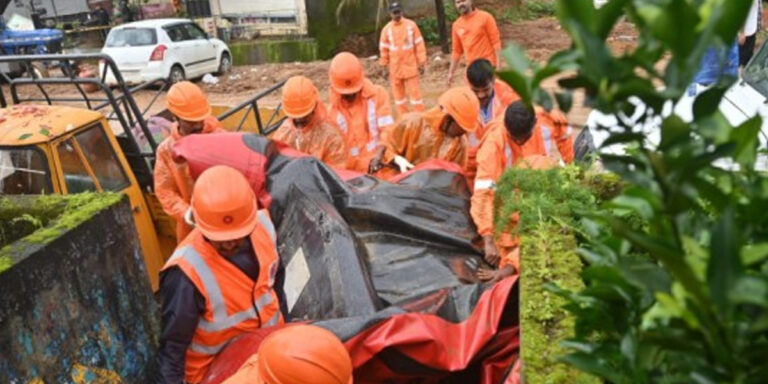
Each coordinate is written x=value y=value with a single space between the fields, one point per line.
x=23 y=171
x=132 y=37
x=756 y=72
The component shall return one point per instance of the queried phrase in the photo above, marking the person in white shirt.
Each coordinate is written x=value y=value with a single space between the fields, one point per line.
x=748 y=34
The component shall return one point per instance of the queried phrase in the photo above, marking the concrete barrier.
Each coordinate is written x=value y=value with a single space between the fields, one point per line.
x=76 y=301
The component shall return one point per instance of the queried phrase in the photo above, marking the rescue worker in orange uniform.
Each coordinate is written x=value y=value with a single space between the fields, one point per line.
x=494 y=95
x=403 y=52
x=223 y=280
x=475 y=35
x=523 y=132
x=173 y=184
x=360 y=109
x=307 y=128
x=438 y=133
x=298 y=354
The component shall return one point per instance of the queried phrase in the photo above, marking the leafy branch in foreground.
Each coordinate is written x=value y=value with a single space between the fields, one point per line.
x=680 y=295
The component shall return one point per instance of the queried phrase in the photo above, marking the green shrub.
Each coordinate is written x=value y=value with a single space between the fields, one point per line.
x=549 y=203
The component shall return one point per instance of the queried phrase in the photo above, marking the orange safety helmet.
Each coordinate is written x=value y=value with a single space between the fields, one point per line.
x=303 y=354
x=188 y=102
x=346 y=74
x=462 y=104
x=224 y=205
x=299 y=97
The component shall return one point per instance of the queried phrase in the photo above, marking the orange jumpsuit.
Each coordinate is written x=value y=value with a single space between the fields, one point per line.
x=402 y=48
x=503 y=95
x=476 y=36
x=321 y=138
x=418 y=138
x=497 y=153
x=361 y=122
x=173 y=185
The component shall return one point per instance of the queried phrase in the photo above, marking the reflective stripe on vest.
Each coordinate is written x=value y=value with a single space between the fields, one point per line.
x=221 y=321
x=373 y=126
x=472 y=140
x=481 y=184
x=508 y=156
x=546 y=134
x=409 y=42
x=266 y=222
x=342 y=122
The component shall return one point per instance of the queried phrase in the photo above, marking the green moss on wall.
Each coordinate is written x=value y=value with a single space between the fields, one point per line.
x=548 y=202
x=273 y=51
x=50 y=217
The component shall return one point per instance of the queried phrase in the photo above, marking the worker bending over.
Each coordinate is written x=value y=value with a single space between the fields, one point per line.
x=307 y=128
x=298 y=354
x=523 y=132
x=403 y=52
x=474 y=35
x=360 y=109
x=438 y=133
x=494 y=96
x=173 y=184
x=223 y=280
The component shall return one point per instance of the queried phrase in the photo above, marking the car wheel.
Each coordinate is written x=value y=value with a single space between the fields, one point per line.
x=225 y=64
x=176 y=75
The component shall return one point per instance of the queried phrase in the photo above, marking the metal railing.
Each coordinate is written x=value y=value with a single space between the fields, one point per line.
x=252 y=106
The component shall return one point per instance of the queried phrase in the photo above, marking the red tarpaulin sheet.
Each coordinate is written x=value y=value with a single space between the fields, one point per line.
x=416 y=347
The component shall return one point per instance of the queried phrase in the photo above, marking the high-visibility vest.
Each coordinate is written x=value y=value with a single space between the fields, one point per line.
x=234 y=304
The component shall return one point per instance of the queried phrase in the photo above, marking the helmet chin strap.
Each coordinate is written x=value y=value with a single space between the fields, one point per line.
x=189 y=218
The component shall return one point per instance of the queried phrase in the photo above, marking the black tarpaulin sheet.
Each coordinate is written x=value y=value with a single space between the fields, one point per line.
x=411 y=238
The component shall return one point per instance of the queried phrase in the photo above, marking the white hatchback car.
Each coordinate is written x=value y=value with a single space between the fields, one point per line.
x=175 y=49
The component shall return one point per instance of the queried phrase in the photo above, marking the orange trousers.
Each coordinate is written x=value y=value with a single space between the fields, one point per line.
x=405 y=91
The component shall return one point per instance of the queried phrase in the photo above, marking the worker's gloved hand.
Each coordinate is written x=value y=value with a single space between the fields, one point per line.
x=491 y=252
x=495 y=275
x=403 y=164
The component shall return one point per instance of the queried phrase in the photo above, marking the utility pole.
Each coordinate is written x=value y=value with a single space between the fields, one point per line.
x=442 y=27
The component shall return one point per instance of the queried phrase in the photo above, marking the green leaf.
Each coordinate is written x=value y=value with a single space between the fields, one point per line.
x=24 y=136
x=606 y=17
x=724 y=267
x=581 y=11
x=516 y=58
x=674 y=24
x=587 y=363
x=750 y=290
x=708 y=102
x=628 y=137
x=543 y=99
x=518 y=82
x=746 y=138
x=730 y=19
x=673 y=131
x=564 y=100
x=754 y=253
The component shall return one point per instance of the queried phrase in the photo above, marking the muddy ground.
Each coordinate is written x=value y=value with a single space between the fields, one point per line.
x=540 y=38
